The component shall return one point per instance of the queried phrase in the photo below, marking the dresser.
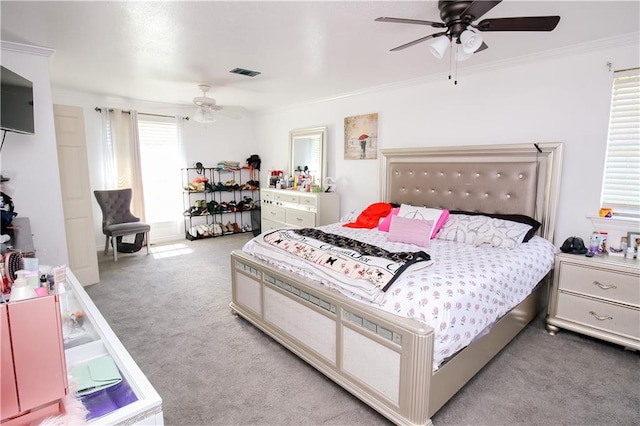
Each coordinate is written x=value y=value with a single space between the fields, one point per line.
x=598 y=297
x=282 y=208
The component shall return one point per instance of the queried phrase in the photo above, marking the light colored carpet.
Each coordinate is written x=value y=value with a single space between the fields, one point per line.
x=172 y=315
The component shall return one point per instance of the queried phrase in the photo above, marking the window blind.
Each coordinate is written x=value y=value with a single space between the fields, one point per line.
x=160 y=167
x=621 y=184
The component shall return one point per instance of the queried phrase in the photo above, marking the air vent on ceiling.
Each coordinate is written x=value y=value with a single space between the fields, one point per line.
x=242 y=71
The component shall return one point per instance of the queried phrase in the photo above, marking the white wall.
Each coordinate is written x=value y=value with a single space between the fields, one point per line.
x=225 y=139
x=563 y=96
x=31 y=161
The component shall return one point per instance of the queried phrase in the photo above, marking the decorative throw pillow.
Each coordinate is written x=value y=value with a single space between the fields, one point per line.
x=528 y=220
x=479 y=230
x=410 y=231
x=386 y=222
x=438 y=216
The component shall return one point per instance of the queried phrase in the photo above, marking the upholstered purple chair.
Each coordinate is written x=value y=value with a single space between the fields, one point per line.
x=117 y=219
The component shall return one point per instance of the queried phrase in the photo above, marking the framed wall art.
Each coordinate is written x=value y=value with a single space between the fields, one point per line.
x=361 y=137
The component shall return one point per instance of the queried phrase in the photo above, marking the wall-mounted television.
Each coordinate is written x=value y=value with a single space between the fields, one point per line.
x=16 y=102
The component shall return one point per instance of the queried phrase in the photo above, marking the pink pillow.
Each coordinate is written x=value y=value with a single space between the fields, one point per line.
x=386 y=222
x=440 y=223
x=410 y=231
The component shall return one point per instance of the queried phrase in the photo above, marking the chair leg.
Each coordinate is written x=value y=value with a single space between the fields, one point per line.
x=115 y=251
x=106 y=245
x=146 y=237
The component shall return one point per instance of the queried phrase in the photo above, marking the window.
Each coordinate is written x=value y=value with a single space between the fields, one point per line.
x=160 y=163
x=621 y=184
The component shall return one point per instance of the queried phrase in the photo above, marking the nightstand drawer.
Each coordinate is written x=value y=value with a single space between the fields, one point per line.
x=608 y=317
x=300 y=218
x=272 y=212
x=601 y=283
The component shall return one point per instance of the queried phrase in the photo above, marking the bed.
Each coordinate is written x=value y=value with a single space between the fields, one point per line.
x=385 y=359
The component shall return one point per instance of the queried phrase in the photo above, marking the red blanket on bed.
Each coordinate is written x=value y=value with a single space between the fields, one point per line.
x=370 y=217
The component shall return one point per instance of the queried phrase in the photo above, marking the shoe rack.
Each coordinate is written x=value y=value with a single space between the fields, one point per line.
x=218 y=201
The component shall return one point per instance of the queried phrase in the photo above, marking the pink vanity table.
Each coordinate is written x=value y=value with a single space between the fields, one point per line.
x=43 y=338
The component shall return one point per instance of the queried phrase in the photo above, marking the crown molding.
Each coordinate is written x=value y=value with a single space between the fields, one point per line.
x=26 y=48
x=576 y=49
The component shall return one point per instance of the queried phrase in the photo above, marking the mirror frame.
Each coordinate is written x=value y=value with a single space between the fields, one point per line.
x=321 y=133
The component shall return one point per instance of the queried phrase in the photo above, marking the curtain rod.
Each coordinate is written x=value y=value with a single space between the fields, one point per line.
x=98 y=109
x=627 y=69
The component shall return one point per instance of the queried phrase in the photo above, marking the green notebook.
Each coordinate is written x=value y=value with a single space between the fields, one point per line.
x=95 y=375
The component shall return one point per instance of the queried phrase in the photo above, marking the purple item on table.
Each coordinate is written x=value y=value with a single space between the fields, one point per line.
x=110 y=399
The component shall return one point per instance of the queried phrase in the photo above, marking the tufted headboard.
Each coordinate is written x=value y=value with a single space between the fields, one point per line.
x=513 y=178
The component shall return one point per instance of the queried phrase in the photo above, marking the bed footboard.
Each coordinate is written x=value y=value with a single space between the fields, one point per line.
x=384 y=360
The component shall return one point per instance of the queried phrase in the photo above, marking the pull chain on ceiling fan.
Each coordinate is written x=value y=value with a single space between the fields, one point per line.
x=458 y=18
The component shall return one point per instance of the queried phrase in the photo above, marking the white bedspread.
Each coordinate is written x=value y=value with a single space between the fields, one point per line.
x=463 y=291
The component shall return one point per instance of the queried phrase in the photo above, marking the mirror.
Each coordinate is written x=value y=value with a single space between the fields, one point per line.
x=307 y=149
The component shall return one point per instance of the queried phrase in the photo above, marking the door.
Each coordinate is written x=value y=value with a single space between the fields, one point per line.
x=76 y=193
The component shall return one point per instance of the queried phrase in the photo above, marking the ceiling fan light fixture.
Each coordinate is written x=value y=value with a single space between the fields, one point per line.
x=471 y=41
x=439 y=46
x=203 y=115
x=461 y=55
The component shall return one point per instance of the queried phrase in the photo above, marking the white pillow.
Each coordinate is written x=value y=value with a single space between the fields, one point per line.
x=351 y=216
x=480 y=230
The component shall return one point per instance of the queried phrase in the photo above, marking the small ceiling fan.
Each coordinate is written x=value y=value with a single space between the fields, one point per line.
x=207 y=108
x=458 y=18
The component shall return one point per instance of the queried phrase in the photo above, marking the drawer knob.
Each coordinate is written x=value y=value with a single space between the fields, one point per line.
x=598 y=317
x=604 y=286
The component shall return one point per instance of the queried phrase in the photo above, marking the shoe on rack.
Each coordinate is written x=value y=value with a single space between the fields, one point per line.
x=213 y=206
x=202 y=230
x=217 y=229
x=235 y=228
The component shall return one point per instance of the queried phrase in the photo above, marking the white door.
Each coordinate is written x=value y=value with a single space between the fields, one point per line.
x=76 y=193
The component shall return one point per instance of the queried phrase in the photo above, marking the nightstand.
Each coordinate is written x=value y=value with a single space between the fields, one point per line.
x=598 y=297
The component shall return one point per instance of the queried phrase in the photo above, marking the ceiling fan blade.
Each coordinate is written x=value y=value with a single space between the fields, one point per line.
x=482 y=47
x=478 y=8
x=230 y=111
x=410 y=21
x=420 y=40
x=530 y=23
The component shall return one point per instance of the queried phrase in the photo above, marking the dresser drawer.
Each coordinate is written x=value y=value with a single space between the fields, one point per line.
x=287 y=197
x=270 y=225
x=274 y=213
x=308 y=201
x=267 y=195
x=300 y=218
x=608 y=317
x=601 y=283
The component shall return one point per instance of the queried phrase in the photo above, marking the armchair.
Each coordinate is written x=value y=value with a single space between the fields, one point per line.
x=117 y=219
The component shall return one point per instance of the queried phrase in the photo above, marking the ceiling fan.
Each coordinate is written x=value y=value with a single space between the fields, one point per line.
x=207 y=108
x=458 y=18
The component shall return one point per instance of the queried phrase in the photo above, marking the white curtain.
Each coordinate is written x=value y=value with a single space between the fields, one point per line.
x=122 y=155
